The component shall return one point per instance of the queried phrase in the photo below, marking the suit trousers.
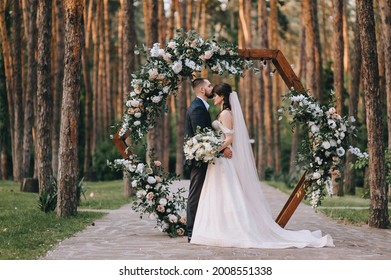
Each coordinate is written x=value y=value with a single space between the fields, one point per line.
x=197 y=178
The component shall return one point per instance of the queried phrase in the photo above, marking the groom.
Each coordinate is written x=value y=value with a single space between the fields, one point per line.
x=197 y=115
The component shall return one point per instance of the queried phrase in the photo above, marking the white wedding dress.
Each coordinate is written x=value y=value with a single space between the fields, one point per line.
x=232 y=210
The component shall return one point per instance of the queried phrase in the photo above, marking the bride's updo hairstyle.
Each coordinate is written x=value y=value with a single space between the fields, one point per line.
x=224 y=90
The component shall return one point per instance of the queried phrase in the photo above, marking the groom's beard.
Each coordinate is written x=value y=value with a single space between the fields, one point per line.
x=210 y=96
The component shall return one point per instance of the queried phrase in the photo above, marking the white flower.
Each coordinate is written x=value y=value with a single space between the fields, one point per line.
x=153 y=73
x=177 y=67
x=163 y=201
x=141 y=193
x=208 y=54
x=135 y=103
x=153 y=216
x=298 y=98
x=137 y=123
x=316 y=175
x=171 y=45
x=172 y=218
x=332 y=111
x=340 y=151
x=352 y=119
x=155 y=50
x=332 y=123
x=314 y=129
x=151 y=180
x=137 y=115
x=157 y=99
x=140 y=168
x=326 y=145
x=166 y=89
x=333 y=143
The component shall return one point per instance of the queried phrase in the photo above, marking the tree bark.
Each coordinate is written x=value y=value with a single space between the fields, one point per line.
x=18 y=170
x=385 y=13
x=68 y=164
x=308 y=17
x=44 y=99
x=108 y=93
x=31 y=28
x=355 y=67
x=129 y=40
x=378 y=188
x=87 y=165
x=318 y=53
x=58 y=78
x=338 y=58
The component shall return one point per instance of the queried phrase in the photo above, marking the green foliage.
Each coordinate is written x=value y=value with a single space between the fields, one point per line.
x=47 y=199
x=105 y=151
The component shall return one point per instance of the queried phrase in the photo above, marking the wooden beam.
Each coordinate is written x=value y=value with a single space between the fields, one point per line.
x=291 y=80
x=120 y=143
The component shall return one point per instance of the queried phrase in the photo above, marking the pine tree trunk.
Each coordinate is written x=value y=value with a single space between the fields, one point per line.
x=355 y=70
x=31 y=85
x=310 y=78
x=68 y=160
x=385 y=13
x=129 y=39
x=317 y=52
x=378 y=188
x=325 y=40
x=262 y=30
x=120 y=89
x=109 y=96
x=44 y=99
x=95 y=79
x=338 y=58
x=18 y=170
x=88 y=105
x=58 y=78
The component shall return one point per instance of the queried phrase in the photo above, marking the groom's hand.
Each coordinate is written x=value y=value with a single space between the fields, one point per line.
x=227 y=153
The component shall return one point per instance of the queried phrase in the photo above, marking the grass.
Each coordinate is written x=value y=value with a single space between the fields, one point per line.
x=27 y=233
x=330 y=204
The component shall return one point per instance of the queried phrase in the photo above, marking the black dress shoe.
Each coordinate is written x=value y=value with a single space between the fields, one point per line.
x=188 y=239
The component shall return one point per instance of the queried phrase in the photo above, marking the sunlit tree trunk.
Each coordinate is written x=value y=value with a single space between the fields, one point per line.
x=385 y=13
x=88 y=93
x=262 y=33
x=310 y=78
x=108 y=93
x=58 y=77
x=44 y=99
x=31 y=28
x=378 y=188
x=276 y=94
x=68 y=159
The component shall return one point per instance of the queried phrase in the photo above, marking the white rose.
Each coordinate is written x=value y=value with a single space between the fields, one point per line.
x=151 y=180
x=137 y=123
x=163 y=201
x=326 y=145
x=171 y=45
x=135 y=103
x=208 y=54
x=156 y=99
x=316 y=175
x=153 y=73
x=177 y=67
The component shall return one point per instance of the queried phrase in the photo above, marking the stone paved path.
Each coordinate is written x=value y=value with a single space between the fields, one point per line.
x=121 y=235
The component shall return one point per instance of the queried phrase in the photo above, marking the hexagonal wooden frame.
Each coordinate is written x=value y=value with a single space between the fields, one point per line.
x=291 y=80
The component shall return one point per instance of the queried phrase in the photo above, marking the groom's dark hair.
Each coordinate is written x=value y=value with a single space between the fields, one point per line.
x=197 y=82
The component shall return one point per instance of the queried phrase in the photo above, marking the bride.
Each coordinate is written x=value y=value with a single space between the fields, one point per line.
x=232 y=210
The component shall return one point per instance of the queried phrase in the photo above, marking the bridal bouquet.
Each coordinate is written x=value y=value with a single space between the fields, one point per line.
x=203 y=146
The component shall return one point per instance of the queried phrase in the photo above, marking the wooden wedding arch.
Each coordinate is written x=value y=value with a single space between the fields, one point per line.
x=291 y=80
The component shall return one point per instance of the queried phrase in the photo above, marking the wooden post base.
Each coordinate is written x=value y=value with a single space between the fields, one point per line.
x=292 y=203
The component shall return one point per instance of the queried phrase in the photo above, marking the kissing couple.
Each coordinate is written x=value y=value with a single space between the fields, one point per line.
x=226 y=206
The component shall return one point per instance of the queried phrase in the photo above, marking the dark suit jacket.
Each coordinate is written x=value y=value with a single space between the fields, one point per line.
x=196 y=115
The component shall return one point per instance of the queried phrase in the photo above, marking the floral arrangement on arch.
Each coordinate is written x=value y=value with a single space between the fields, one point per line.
x=165 y=68
x=153 y=196
x=322 y=151
x=159 y=77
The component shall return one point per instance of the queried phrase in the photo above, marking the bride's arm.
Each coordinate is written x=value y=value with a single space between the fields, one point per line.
x=226 y=121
